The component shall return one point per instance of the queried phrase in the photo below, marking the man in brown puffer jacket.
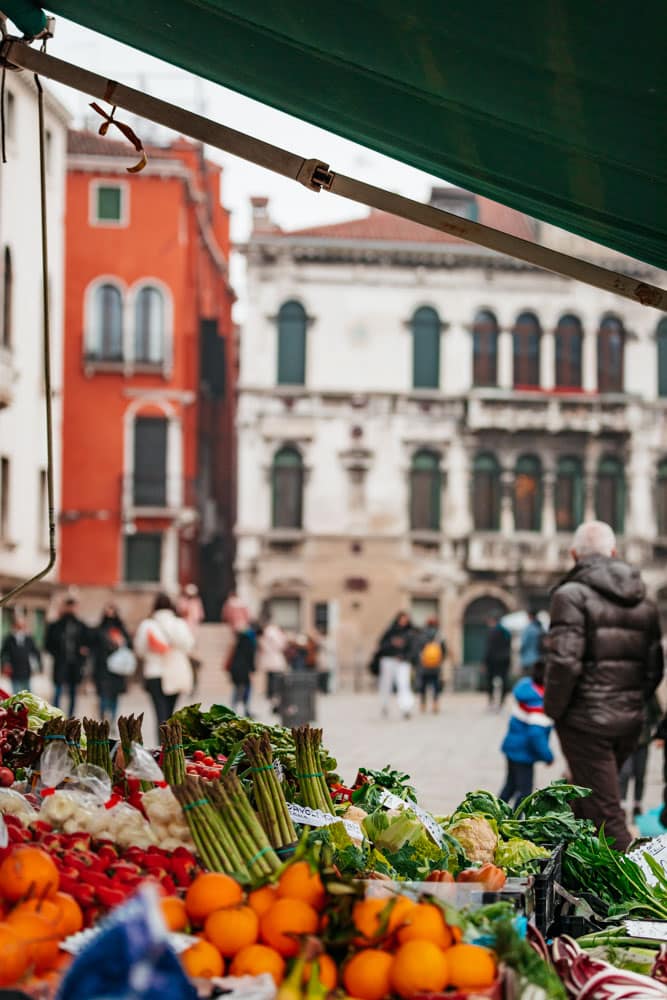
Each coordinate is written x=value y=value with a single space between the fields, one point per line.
x=604 y=661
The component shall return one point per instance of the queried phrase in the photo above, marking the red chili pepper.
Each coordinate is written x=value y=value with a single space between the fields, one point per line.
x=111 y=895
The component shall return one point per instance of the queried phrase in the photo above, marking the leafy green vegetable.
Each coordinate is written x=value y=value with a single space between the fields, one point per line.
x=514 y=856
x=483 y=804
x=590 y=864
x=39 y=710
x=390 y=833
x=371 y=785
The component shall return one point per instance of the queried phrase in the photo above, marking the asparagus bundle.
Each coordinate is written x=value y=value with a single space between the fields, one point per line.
x=73 y=740
x=215 y=846
x=129 y=730
x=269 y=796
x=97 y=744
x=231 y=801
x=312 y=781
x=67 y=730
x=173 y=756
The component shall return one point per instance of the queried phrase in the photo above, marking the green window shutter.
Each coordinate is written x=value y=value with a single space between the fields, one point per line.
x=661 y=498
x=486 y=493
x=143 y=555
x=610 y=493
x=287 y=482
x=661 y=337
x=109 y=204
x=569 y=494
x=426 y=349
x=425 y=490
x=292 y=323
x=528 y=494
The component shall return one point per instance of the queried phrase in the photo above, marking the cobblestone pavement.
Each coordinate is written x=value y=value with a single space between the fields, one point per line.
x=446 y=754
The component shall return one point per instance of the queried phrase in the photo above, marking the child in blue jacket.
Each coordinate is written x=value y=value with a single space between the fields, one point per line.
x=527 y=739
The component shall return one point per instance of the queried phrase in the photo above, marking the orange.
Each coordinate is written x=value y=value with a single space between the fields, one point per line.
x=299 y=881
x=262 y=899
x=71 y=917
x=256 y=959
x=367 y=974
x=425 y=922
x=377 y=916
x=174 y=913
x=231 y=929
x=286 y=921
x=40 y=937
x=327 y=971
x=27 y=871
x=15 y=956
x=419 y=967
x=211 y=891
x=202 y=960
x=471 y=967
x=48 y=909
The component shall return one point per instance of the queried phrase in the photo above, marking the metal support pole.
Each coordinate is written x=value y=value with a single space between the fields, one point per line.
x=317 y=176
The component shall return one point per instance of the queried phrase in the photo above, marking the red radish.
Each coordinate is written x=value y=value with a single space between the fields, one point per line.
x=6 y=777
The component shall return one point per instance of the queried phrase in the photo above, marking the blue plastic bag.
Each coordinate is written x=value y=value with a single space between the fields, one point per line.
x=649 y=824
x=130 y=958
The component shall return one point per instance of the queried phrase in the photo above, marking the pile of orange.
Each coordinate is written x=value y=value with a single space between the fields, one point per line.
x=36 y=917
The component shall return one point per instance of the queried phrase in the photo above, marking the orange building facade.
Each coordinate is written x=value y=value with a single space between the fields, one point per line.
x=148 y=485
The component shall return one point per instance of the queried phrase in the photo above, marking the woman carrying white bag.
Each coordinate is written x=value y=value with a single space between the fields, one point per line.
x=163 y=642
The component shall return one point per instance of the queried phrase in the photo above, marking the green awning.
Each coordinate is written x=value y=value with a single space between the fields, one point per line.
x=557 y=108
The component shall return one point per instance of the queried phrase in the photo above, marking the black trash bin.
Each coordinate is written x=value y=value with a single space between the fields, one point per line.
x=274 y=683
x=297 y=698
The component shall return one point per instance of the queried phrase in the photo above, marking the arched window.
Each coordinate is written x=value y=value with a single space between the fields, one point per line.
x=425 y=482
x=486 y=493
x=485 y=349
x=661 y=338
x=292 y=323
x=105 y=342
x=661 y=498
x=610 y=493
x=476 y=626
x=425 y=325
x=569 y=495
x=569 y=343
x=287 y=489
x=149 y=326
x=7 y=293
x=611 y=345
x=526 y=349
x=528 y=494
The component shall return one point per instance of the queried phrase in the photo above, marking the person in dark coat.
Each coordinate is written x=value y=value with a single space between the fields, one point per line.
x=19 y=655
x=242 y=667
x=109 y=636
x=428 y=656
x=68 y=642
x=604 y=662
x=497 y=659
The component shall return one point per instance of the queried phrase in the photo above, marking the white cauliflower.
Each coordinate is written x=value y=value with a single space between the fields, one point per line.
x=477 y=838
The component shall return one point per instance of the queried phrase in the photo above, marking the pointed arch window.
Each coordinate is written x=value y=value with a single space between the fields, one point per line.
x=486 y=492
x=526 y=338
x=569 y=494
x=7 y=295
x=610 y=493
x=149 y=326
x=105 y=342
x=425 y=489
x=287 y=489
x=292 y=323
x=611 y=350
x=485 y=349
x=425 y=326
x=528 y=494
x=661 y=338
x=569 y=345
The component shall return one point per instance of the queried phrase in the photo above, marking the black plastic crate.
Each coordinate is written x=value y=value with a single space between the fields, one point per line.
x=544 y=887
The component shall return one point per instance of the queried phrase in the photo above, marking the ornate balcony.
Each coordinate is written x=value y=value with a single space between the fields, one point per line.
x=522 y=552
x=555 y=412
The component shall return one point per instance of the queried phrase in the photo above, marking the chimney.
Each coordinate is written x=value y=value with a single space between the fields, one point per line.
x=261 y=219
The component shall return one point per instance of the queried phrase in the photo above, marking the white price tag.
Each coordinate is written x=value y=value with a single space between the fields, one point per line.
x=654 y=930
x=393 y=802
x=657 y=849
x=315 y=817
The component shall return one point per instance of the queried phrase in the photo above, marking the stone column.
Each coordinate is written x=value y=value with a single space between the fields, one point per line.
x=548 y=505
x=505 y=360
x=547 y=360
x=590 y=475
x=589 y=361
x=506 y=502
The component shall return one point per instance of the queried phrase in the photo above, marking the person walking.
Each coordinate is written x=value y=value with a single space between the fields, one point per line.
x=110 y=636
x=190 y=607
x=68 y=641
x=604 y=662
x=19 y=655
x=242 y=667
x=527 y=738
x=635 y=766
x=395 y=666
x=271 y=659
x=164 y=642
x=497 y=659
x=532 y=640
x=430 y=653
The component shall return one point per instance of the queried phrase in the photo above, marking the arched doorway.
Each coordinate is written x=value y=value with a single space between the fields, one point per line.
x=475 y=627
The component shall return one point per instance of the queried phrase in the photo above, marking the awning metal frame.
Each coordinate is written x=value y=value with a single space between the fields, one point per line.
x=316 y=175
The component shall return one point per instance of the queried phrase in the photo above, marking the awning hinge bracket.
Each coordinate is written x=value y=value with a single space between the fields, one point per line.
x=315 y=175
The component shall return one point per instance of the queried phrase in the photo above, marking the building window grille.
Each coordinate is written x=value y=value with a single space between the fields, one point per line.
x=425 y=326
x=149 y=322
x=292 y=324
x=526 y=338
x=287 y=489
x=486 y=493
x=610 y=493
x=569 y=344
x=569 y=494
x=425 y=488
x=528 y=494
x=611 y=349
x=485 y=349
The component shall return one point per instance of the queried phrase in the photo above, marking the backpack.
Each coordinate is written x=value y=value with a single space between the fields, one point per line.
x=431 y=655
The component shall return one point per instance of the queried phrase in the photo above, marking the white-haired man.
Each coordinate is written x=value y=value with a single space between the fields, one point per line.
x=604 y=661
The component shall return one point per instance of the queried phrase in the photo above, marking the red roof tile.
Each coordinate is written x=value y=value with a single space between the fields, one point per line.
x=92 y=144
